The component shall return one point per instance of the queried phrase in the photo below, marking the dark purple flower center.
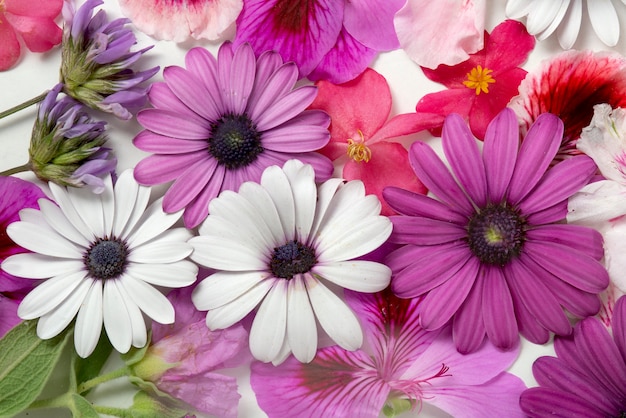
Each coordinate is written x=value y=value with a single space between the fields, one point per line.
x=496 y=234
x=106 y=258
x=235 y=141
x=291 y=259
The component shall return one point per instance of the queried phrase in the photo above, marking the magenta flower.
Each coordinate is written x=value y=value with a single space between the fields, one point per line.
x=569 y=86
x=16 y=195
x=184 y=359
x=401 y=366
x=587 y=378
x=33 y=21
x=221 y=122
x=492 y=255
x=482 y=86
x=361 y=133
x=332 y=40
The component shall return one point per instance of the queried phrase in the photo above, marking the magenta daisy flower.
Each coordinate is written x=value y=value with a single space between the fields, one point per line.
x=218 y=123
x=491 y=255
x=587 y=378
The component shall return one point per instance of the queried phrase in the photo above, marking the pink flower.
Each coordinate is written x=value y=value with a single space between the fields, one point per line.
x=362 y=134
x=569 y=85
x=402 y=366
x=33 y=21
x=16 y=194
x=436 y=32
x=333 y=40
x=482 y=86
x=183 y=358
x=177 y=21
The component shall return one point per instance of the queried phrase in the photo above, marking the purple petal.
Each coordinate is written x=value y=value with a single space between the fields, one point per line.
x=526 y=322
x=157 y=169
x=203 y=65
x=306 y=132
x=151 y=142
x=468 y=326
x=286 y=108
x=198 y=209
x=168 y=123
x=538 y=149
x=240 y=80
x=619 y=325
x=545 y=402
x=371 y=23
x=550 y=215
x=8 y=315
x=580 y=238
x=188 y=185
x=498 y=314
x=461 y=150
x=424 y=231
x=409 y=203
x=321 y=164
x=275 y=85
x=500 y=153
x=191 y=91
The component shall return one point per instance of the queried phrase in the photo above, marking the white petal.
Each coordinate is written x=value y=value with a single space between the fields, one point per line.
x=179 y=274
x=117 y=321
x=567 y=31
x=171 y=246
x=107 y=199
x=131 y=201
x=137 y=324
x=153 y=222
x=229 y=314
x=225 y=286
x=596 y=203
x=89 y=321
x=90 y=208
x=62 y=198
x=556 y=21
x=269 y=326
x=516 y=9
x=49 y=294
x=148 y=299
x=43 y=241
x=302 y=180
x=334 y=316
x=226 y=254
x=604 y=21
x=277 y=185
x=256 y=194
x=364 y=237
x=358 y=275
x=325 y=193
x=39 y=266
x=55 y=217
x=301 y=327
x=55 y=321
x=542 y=14
x=284 y=352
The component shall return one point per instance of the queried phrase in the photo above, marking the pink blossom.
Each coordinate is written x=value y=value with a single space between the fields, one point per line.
x=401 y=366
x=184 y=359
x=364 y=138
x=479 y=88
x=33 y=21
x=437 y=32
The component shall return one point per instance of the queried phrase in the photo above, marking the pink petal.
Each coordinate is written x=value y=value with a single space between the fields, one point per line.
x=198 y=209
x=301 y=31
x=188 y=185
x=550 y=402
x=371 y=23
x=40 y=34
x=168 y=123
x=498 y=314
x=412 y=204
x=528 y=325
x=306 y=132
x=500 y=153
x=425 y=231
x=151 y=142
x=191 y=92
x=430 y=37
x=445 y=102
x=508 y=46
x=406 y=124
x=8 y=315
x=34 y=8
x=161 y=168
x=10 y=52
x=468 y=325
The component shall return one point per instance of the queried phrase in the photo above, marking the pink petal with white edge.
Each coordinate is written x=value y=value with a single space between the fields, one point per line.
x=430 y=37
x=177 y=21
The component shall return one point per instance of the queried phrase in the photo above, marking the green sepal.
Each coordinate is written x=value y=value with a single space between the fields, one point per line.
x=85 y=369
x=135 y=355
x=26 y=363
x=150 y=406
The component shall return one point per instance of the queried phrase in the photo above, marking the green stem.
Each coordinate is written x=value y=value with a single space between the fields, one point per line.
x=116 y=412
x=24 y=105
x=90 y=384
x=57 y=402
x=18 y=169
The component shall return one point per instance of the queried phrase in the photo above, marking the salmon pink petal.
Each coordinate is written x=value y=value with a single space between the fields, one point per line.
x=34 y=8
x=40 y=34
x=10 y=51
x=406 y=124
x=430 y=37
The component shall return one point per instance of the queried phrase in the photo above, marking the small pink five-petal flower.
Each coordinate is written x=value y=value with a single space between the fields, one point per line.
x=33 y=21
x=479 y=88
x=365 y=139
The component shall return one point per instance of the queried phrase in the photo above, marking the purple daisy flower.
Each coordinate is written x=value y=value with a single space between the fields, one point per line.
x=492 y=254
x=218 y=123
x=587 y=378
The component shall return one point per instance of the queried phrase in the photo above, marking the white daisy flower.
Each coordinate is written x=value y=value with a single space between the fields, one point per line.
x=543 y=17
x=283 y=244
x=101 y=255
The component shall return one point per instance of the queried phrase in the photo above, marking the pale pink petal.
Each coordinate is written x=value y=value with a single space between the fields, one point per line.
x=430 y=37
x=371 y=22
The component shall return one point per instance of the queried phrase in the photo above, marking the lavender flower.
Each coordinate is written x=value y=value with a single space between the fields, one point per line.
x=96 y=62
x=66 y=145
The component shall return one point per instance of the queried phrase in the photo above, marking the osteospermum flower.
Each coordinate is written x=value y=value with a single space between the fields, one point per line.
x=282 y=244
x=569 y=85
x=491 y=255
x=66 y=145
x=400 y=367
x=33 y=21
x=96 y=61
x=587 y=378
x=219 y=123
x=101 y=256
x=544 y=17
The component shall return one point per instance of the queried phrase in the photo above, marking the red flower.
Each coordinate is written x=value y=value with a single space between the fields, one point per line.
x=479 y=88
x=33 y=20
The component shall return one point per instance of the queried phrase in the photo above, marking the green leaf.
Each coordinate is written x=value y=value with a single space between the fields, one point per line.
x=147 y=406
x=82 y=408
x=26 y=363
x=87 y=368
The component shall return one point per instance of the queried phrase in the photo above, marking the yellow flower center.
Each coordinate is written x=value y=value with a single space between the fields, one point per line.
x=479 y=79
x=357 y=150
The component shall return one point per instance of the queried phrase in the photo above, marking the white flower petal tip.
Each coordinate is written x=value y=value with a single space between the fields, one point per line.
x=100 y=257
x=302 y=231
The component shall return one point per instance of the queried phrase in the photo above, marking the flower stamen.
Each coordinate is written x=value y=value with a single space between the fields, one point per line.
x=291 y=259
x=106 y=258
x=479 y=79
x=496 y=234
x=357 y=150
